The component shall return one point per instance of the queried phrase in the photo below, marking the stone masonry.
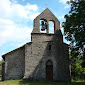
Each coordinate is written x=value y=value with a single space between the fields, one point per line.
x=14 y=64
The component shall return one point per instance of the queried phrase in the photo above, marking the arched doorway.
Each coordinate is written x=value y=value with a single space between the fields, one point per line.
x=49 y=70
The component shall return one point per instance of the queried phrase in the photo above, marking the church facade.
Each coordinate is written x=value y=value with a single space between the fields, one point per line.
x=46 y=57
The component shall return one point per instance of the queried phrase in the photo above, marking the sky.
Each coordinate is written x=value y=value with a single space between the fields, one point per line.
x=16 y=20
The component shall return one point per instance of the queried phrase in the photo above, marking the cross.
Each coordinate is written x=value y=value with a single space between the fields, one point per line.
x=46 y=5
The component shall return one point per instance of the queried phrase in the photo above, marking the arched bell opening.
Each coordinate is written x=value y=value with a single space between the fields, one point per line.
x=43 y=25
x=51 y=26
x=49 y=70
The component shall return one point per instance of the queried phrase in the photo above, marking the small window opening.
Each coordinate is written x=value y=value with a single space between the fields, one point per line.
x=49 y=47
x=51 y=27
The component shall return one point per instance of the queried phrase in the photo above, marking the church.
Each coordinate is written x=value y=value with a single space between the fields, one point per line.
x=46 y=57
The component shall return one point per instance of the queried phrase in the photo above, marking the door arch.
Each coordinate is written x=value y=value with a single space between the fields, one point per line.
x=49 y=70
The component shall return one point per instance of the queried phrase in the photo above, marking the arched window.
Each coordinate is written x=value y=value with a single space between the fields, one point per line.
x=51 y=26
x=43 y=25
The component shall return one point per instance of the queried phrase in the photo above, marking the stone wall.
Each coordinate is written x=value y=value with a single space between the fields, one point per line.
x=14 y=64
x=37 y=53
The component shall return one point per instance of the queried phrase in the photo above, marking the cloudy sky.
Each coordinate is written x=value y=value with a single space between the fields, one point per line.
x=16 y=20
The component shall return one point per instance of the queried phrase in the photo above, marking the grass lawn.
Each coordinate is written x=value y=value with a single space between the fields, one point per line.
x=21 y=82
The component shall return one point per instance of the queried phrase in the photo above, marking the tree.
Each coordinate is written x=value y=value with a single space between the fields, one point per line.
x=77 y=72
x=74 y=30
x=74 y=27
x=1 y=65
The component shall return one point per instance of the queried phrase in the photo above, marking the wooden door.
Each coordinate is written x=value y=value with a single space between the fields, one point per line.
x=49 y=71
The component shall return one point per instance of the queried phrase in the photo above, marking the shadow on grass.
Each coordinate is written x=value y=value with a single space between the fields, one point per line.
x=26 y=82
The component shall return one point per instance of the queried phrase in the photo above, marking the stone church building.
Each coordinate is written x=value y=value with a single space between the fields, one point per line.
x=46 y=57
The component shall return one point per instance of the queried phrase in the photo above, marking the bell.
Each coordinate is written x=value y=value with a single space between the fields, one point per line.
x=42 y=23
x=43 y=26
x=43 y=29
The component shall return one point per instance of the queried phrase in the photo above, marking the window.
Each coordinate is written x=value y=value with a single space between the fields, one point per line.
x=49 y=47
x=51 y=27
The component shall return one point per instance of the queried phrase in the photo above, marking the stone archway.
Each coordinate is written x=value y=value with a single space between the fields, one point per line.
x=49 y=70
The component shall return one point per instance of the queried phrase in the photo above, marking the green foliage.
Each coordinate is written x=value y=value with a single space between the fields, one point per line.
x=1 y=66
x=74 y=26
x=77 y=72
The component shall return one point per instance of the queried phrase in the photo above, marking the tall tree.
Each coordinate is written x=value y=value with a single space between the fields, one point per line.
x=74 y=27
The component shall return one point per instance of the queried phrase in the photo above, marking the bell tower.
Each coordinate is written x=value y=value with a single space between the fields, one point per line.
x=41 y=22
x=41 y=28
